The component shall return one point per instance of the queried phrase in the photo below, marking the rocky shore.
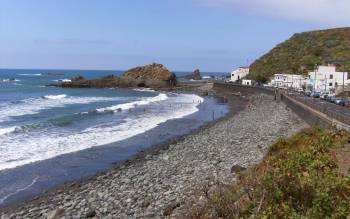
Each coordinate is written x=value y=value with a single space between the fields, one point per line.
x=165 y=183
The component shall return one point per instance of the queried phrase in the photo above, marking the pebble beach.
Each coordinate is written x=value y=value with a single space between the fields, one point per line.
x=172 y=177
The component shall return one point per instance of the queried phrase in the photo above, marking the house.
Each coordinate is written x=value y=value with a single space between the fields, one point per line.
x=326 y=78
x=239 y=74
x=289 y=81
x=246 y=82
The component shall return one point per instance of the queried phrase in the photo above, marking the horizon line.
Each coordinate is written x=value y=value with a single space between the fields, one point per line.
x=67 y=69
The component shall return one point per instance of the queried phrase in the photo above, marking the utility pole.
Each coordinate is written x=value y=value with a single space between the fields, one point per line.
x=315 y=77
x=343 y=82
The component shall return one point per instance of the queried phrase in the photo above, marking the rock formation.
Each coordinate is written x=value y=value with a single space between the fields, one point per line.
x=196 y=75
x=152 y=76
x=81 y=82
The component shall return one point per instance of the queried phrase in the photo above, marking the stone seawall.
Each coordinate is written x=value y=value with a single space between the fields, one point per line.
x=308 y=111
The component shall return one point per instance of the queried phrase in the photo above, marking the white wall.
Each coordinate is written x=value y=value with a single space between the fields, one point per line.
x=239 y=74
x=326 y=78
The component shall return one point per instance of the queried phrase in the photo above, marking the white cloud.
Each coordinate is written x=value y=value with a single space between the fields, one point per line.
x=335 y=12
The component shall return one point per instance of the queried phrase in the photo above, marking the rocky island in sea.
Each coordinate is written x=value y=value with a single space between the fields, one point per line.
x=147 y=76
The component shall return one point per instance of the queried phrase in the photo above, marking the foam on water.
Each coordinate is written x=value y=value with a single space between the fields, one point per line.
x=126 y=106
x=55 y=97
x=24 y=148
x=4 y=131
x=35 y=105
x=3 y=199
x=38 y=74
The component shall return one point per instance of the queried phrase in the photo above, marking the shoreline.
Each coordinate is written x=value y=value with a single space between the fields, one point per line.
x=160 y=154
x=140 y=156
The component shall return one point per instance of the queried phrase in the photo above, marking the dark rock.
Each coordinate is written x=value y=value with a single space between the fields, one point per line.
x=204 y=93
x=153 y=75
x=196 y=75
x=237 y=169
x=91 y=213
x=170 y=208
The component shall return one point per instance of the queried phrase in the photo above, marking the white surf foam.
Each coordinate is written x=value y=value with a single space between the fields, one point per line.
x=9 y=80
x=30 y=74
x=28 y=147
x=144 y=90
x=4 y=131
x=19 y=190
x=126 y=106
x=55 y=97
x=35 y=105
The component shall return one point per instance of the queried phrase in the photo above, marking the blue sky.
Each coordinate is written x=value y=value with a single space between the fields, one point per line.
x=212 y=35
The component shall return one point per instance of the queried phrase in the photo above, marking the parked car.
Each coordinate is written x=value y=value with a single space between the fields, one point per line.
x=340 y=102
x=331 y=99
x=316 y=94
x=308 y=93
x=324 y=95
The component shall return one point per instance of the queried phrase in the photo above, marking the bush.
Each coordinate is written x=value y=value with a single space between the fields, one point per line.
x=298 y=178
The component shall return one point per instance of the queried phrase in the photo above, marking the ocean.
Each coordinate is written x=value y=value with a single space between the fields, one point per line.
x=51 y=135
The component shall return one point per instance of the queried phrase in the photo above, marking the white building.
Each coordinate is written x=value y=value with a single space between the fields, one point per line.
x=289 y=81
x=246 y=82
x=239 y=74
x=326 y=78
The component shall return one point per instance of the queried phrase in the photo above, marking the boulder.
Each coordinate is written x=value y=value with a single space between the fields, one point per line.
x=237 y=169
x=196 y=75
x=55 y=214
x=153 y=75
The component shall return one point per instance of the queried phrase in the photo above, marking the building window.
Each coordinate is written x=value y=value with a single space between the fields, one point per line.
x=336 y=83
x=330 y=76
x=330 y=84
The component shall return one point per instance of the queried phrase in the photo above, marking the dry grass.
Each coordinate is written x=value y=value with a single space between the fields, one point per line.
x=298 y=178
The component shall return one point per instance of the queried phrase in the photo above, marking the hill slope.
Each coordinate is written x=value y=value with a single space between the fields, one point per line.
x=302 y=51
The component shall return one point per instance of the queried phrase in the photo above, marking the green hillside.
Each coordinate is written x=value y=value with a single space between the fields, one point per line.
x=302 y=51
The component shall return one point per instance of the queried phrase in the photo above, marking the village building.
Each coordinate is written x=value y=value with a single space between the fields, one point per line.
x=289 y=81
x=326 y=78
x=239 y=74
x=247 y=82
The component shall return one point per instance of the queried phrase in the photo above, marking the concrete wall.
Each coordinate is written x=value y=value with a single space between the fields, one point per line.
x=306 y=114
x=310 y=115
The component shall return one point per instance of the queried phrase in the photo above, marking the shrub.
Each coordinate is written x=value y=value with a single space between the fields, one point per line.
x=298 y=178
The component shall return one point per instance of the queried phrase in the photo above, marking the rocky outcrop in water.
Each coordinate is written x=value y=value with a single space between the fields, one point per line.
x=152 y=76
x=196 y=75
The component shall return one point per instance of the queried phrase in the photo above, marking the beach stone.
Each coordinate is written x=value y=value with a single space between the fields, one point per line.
x=55 y=213
x=237 y=169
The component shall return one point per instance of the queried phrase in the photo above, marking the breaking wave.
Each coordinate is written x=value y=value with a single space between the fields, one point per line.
x=27 y=147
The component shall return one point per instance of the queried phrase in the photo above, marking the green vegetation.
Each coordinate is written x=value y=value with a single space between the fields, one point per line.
x=298 y=178
x=302 y=51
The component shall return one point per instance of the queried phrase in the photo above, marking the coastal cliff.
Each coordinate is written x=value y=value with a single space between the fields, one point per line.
x=150 y=76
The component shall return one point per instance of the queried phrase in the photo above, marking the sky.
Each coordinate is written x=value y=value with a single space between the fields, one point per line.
x=212 y=35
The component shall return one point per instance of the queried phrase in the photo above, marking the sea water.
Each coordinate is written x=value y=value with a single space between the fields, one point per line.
x=50 y=135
